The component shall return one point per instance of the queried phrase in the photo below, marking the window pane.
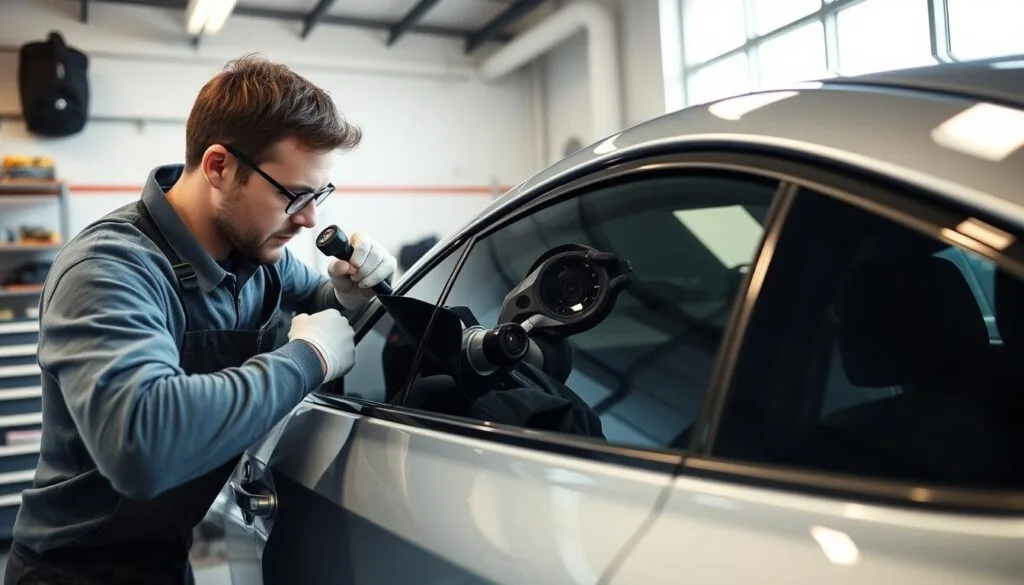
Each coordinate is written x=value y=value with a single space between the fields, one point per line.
x=712 y=27
x=375 y=375
x=880 y=35
x=771 y=14
x=794 y=56
x=726 y=78
x=985 y=28
x=642 y=371
x=872 y=353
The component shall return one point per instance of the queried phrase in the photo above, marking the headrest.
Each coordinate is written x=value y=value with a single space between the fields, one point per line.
x=907 y=319
x=1009 y=293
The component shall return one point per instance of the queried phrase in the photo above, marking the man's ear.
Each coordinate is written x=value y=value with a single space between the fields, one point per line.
x=218 y=166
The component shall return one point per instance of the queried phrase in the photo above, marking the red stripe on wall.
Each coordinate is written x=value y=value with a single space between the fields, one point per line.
x=86 y=189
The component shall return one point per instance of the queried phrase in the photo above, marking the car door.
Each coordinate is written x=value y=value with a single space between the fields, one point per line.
x=866 y=426
x=382 y=485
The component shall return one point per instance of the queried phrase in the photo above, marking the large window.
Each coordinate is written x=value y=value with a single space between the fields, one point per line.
x=732 y=47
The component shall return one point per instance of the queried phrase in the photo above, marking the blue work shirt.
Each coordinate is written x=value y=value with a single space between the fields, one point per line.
x=116 y=403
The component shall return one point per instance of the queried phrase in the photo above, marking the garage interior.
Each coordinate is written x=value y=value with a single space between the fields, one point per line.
x=458 y=100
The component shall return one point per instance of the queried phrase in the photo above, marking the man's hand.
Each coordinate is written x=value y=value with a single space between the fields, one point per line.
x=370 y=264
x=331 y=336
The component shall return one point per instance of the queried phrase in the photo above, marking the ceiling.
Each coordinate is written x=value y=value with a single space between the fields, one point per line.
x=467 y=14
x=474 y=21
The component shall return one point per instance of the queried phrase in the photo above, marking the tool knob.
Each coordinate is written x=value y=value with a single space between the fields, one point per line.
x=333 y=242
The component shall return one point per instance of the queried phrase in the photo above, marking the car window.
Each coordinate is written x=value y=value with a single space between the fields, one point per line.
x=374 y=376
x=638 y=375
x=872 y=351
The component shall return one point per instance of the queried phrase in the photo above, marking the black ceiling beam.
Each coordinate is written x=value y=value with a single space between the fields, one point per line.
x=497 y=26
x=315 y=16
x=409 y=20
x=295 y=16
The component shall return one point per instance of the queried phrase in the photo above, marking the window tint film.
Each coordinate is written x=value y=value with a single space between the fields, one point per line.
x=376 y=375
x=637 y=375
x=879 y=352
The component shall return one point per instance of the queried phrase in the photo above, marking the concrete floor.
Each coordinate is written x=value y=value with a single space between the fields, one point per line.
x=216 y=573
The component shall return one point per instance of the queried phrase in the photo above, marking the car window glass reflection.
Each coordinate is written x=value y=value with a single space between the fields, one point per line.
x=638 y=375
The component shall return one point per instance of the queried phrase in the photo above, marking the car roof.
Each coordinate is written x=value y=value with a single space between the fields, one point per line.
x=888 y=123
x=933 y=128
x=999 y=80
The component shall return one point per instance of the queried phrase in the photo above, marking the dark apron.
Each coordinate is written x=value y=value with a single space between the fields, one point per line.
x=148 y=541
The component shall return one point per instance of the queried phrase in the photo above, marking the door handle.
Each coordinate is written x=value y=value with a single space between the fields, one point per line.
x=255 y=504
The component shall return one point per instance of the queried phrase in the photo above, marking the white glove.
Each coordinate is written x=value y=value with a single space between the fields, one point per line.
x=370 y=263
x=331 y=336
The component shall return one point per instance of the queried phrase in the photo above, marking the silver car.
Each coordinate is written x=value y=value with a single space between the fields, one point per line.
x=776 y=338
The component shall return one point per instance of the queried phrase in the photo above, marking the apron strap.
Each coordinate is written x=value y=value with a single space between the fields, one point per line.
x=185 y=275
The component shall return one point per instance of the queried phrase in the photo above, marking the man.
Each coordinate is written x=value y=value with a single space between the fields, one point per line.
x=157 y=332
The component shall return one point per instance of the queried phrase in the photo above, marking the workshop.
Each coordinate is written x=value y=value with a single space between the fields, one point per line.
x=358 y=291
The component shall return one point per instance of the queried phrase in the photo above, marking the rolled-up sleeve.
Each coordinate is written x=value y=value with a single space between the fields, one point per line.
x=107 y=340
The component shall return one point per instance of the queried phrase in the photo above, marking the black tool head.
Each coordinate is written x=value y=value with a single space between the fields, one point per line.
x=333 y=242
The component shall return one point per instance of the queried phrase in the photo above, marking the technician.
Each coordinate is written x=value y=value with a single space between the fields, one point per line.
x=157 y=334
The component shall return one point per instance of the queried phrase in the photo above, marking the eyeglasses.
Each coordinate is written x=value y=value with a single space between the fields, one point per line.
x=296 y=201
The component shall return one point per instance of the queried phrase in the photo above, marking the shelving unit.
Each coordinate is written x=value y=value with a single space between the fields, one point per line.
x=41 y=203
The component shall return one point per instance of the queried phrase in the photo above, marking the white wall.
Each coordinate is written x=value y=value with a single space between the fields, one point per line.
x=435 y=137
x=567 y=96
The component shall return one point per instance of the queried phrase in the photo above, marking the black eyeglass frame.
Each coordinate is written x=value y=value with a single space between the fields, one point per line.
x=296 y=201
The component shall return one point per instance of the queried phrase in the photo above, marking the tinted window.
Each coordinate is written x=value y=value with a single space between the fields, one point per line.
x=374 y=375
x=875 y=351
x=639 y=375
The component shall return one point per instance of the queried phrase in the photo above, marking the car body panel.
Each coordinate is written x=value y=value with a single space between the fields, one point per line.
x=366 y=500
x=744 y=534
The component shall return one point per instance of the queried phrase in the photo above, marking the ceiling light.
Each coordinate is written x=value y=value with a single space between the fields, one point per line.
x=207 y=16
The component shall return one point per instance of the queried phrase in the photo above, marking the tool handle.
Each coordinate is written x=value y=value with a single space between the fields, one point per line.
x=333 y=242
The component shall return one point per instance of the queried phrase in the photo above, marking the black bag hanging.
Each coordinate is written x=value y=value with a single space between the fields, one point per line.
x=54 y=87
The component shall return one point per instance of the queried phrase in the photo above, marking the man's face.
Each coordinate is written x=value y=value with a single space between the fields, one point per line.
x=252 y=216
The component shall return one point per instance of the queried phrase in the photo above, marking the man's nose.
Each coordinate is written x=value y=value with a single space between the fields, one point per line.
x=307 y=217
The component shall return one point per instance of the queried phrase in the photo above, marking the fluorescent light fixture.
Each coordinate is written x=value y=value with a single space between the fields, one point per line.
x=207 y=16
x=737 y=107
x=986 y=131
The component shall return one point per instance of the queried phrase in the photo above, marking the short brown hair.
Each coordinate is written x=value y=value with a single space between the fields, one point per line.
x=253 y=104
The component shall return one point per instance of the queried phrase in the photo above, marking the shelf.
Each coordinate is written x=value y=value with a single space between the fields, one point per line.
x=15 y=450
x=21 y=350
x=30 y=187
x=19 y=327
x=14 y=248
x=19 y=371
x=21 y=420
x=8 y=292
x=12 y=477
x=20 y=393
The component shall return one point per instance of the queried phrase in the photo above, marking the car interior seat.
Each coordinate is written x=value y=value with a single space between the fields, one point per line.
x=911 y=320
